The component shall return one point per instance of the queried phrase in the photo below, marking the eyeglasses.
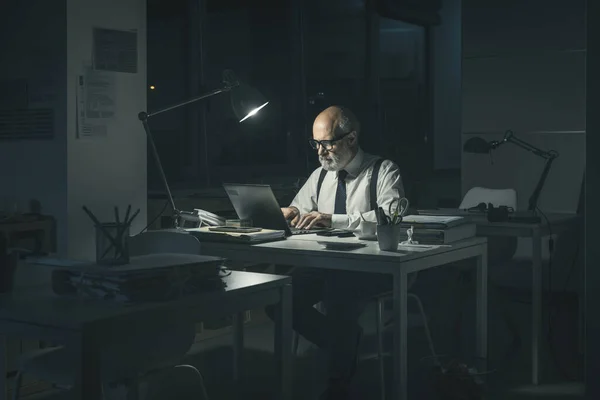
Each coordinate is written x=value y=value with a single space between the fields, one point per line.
x=327 y=144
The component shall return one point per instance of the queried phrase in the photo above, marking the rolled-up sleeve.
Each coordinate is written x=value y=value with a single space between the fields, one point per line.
x=306 y=198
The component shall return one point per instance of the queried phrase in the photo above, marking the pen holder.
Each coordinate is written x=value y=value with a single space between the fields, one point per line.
x=388 y=237
x=112 y=244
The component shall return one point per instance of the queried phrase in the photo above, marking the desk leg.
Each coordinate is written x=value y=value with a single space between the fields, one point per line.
x=481 y=317
x=238 y=351
x=88 y=385
x=400 y=356
x=536 y=303
x=283 y=343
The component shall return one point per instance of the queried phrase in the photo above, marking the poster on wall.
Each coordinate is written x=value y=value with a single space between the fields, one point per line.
x=115 y=50
x=95 y=102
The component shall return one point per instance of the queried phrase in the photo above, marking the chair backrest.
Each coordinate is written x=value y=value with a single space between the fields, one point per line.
x=498 y=197
x=500 y=248
x=153 y=242
x=175 y=339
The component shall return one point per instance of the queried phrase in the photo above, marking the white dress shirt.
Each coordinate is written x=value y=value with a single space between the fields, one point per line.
x=360 y=169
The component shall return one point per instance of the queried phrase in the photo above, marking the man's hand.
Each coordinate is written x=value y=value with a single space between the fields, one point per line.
x=308 y=221
x=291 y=214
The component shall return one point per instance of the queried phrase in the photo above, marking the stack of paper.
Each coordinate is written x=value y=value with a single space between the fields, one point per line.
x=432 y=221
x=154 y=277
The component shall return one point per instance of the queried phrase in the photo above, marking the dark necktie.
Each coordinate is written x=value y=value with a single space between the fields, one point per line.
x=340 y=194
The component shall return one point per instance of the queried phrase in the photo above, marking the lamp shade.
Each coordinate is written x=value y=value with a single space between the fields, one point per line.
x=246 y=101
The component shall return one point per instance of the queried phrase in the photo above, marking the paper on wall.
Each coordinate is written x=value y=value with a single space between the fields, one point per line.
x=95 y=102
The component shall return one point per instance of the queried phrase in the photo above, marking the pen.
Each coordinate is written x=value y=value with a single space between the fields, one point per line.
x=382 y=216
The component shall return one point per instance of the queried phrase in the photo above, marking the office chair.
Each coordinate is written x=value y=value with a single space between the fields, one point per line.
x=126 y=363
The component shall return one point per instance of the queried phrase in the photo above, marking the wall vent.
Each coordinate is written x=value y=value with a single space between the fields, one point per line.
x=27 y=124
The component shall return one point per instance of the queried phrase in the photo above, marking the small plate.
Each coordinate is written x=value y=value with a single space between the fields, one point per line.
x=342 y=245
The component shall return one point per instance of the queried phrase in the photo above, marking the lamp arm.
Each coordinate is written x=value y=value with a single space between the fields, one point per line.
x=143 y=117
x=510 y=138
x=533 y=200
x=214 y=92
x=549 y=156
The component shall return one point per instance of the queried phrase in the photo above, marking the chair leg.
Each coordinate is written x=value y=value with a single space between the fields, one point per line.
x=426 y=327
x=17 y=388
x=379 y=328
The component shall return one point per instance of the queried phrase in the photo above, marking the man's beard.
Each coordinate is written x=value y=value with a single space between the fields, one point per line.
x=336 y=161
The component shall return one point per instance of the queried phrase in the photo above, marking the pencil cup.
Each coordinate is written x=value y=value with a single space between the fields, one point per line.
x=388 y=237
x=112 y=244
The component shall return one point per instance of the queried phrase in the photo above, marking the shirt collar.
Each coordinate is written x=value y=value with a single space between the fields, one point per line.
x=354 y=166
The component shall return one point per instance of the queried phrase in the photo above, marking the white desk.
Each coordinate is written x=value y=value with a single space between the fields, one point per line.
x=556 y=224
x=303 y=251
x=87 y=325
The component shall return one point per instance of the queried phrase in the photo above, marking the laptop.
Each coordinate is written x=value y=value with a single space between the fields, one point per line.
x=258 y=204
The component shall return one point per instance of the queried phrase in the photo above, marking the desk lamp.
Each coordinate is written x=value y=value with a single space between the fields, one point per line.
x=245 y=102
x=481 y=146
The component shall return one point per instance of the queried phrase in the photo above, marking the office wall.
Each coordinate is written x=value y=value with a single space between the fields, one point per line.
x=524 y=69
x=44 y=45
x=32 y=76
x=105 y=171
x=446 y=71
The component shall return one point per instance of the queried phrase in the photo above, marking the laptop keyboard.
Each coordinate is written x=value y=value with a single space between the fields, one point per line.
x=296 y=231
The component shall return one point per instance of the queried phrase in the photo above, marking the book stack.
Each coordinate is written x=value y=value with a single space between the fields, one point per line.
x=437 y=229
x=155 y=277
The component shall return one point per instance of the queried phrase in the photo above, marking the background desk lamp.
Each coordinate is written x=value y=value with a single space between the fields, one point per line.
x=245 y=102
x=481 y=146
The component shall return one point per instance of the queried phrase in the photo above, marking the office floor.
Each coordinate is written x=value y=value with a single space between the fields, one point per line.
x=507 y=381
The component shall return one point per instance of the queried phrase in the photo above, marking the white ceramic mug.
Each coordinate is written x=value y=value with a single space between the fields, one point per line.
x=366 y=230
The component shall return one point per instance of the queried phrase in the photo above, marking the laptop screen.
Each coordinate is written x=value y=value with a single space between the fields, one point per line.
x=258 y=204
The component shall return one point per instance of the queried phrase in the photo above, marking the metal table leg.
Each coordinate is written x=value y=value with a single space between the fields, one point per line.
x=481 y=317
x=283 y=343
x=238 y=351
x=536 y=304
x=87 y=384
x=399 y=355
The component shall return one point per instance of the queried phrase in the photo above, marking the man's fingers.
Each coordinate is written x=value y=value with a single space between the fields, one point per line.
x=301 y=221
x=295 y=220
x=314 y=222
x=305 y=220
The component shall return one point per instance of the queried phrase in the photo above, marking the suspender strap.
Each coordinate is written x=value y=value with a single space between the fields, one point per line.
x=320 y=182
x=373 y=184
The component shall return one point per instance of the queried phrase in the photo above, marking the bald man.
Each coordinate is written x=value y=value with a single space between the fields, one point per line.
x=348 y=186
